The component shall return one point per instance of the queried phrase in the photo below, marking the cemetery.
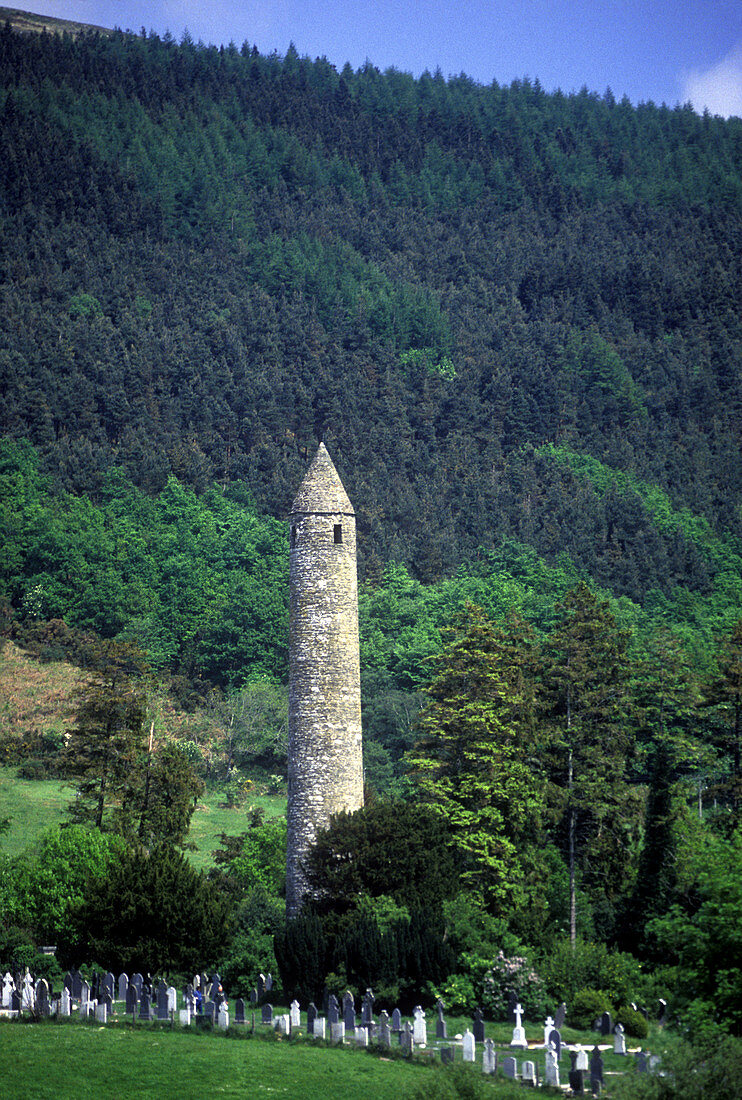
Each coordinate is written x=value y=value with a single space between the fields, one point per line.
x=517 y=1054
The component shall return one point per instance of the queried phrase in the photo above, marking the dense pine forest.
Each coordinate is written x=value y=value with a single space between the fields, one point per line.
x=514 y=319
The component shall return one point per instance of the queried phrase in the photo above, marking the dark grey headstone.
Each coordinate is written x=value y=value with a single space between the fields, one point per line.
x=367 y=1009
x=556 y=1039
x=396 y=1020
x=132 y=1001
x=254 y=998
x=447 y=1056
x=239 y=1011
x=509 y=1067
x=333 y=1010
x=596 y=1086
x=42 y=997
x=266 y=1014
x=109 y=985
x=145 y=1007
x=138 y=982
x=211 y=1011
x=606 y=1024
x=68 y=983
x=311 y=1017
x=15 y=1000
x=561 y=1016
x=349 y=1011
x=512 y=1002
x=596 y=1065
x=441 y=1031
x=477 y=1026
x=261 y=986
x=123 y=987
x=641 y=1062
x=577 y=1082
x=268 y=982
x=76 y=984
x=162 y=1002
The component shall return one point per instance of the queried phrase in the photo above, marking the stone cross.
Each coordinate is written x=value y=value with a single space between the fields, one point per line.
x=596 y=1067
x=420 y=1031
x=367 y=1008
x=349 y=1011
x=548 y=1028
x=519 y=1035
x=295 y=1014
x=551 y=1072
x=489 y=1058
x=385 y=1034
x=441 y=1032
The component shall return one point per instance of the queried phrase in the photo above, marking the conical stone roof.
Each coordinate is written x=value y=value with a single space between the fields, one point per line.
x=322 y=491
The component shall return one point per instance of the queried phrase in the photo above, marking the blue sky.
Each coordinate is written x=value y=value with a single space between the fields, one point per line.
x=671 y=51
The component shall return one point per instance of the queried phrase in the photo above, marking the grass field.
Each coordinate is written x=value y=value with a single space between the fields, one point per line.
x=87 y=1061
x=35 y=804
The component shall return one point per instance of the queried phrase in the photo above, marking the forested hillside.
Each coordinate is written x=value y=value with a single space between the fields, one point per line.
x=211 y=259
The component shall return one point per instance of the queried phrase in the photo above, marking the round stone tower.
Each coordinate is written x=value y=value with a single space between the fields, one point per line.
x=325 y=754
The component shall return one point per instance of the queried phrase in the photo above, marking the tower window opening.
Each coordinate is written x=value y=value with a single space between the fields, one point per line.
x=338 y=534
x=293 y=536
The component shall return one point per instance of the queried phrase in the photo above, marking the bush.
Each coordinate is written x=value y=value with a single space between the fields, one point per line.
x=633 y=1022
x=568 y=969
x=587 y=1006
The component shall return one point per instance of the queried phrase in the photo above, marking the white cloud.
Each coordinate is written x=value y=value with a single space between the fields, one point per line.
x=719 y=88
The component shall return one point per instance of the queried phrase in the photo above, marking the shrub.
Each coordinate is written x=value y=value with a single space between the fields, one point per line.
x=587 y=1006
x=633 y=1022
x=515 y=975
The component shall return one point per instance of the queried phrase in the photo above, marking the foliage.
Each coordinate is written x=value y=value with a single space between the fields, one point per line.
x=567 y=969
x=514 y=974
x=254 y=859
x=587 y=1006
x=471 y=762
x=153 y=913
x=633 y=1022
x=705 y=1070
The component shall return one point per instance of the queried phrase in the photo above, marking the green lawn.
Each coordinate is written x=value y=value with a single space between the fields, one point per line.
x=34 y=804
x=87 y=1061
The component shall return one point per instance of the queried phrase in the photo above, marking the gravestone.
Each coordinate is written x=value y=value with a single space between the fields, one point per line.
x=172 y=1000
x=385 y=1032
x=361 y=1035
x=577 y=1082
x=653 y=1062
x=519 y=1035
x=662 y=1012
x=333 y=1010
x=261 y=986
x=295 y=1014
x=145 y=1007
x=419 y=1027
x=268 y=982
x=548 y=1028
x=407 y=1039
x=185 y=1015
x=223 y=1015
x=349 y=1011
x=596 y=1069
x=447 y=1055
x=16 y=1001
x=561 y=1016
x=319 y=1027
x=109 y=985
x=470 y=1046
x=619 y=1040
x=311 y=1017
x=367 y=1008
x=396 y=1021
x=441 y=1031
x=84 y=993
x=101 y=1012
x=163 y=1012
x=478 y=1025
x=239 y=1011
x=95 y=983
x=337 y=1032
x=254 y=995
x=266 y=1014
x=108 y=1002
x=67 y=983
x=489 y=1058
x=551 y=1071
x=123 y=987
x=640 y=1059
x=42 y=997
x=217 y=993
x=555 y=1040
x=76 y=985
x=528 y=1074
x=606 y=1024
x=65 y=1003
x=138 y=982
x=510 y=1068
x=582 y=1059
x=131 y=998
x=210 y=1011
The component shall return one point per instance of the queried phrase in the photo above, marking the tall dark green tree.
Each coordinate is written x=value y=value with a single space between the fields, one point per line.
x=588 y=679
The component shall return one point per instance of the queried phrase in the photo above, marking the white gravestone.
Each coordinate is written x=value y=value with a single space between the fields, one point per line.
x=319 y=1027
x=489 y=1058
x=548 y=1028
x=295 y=1014
x=551 y=1074
x=337 y=1032
x=528 y=1074
x=582 y=1059
x=419 y=1027
x=619 y=1040
x=470 y=1046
